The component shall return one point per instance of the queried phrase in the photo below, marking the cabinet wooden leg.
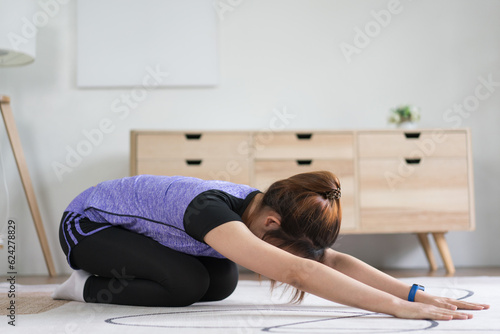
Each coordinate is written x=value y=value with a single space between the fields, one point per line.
x=424 y=241
x=442 y=246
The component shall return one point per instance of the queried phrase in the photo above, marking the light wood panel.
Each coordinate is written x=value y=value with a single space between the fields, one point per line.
x=394 y=174
x=412 y=144
x=432 y=195
x=192 y=145
x=232 y=170
x=304 y=145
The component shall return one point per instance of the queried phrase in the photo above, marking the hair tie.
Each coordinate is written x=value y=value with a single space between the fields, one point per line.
x=333 y=194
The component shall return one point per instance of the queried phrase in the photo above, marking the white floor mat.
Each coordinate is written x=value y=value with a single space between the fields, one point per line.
x=252 y=309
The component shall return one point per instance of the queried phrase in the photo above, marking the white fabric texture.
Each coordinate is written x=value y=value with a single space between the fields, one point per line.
x=252 y=309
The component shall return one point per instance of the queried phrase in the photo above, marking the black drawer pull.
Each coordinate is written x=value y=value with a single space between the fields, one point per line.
x=193 y=162
x=412 y=135
x=303 y=136
x=413 y=161
x=193 y=136
x=304 y=162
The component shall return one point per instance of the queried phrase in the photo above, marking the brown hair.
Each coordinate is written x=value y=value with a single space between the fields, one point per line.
x=311 y=214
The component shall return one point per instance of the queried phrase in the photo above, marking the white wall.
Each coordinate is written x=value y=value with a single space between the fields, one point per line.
x=274 y=54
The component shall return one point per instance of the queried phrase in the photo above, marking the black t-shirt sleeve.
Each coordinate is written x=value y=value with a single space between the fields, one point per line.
x=213 y=208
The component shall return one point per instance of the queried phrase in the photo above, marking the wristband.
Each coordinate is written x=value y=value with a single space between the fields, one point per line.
x=413 y=291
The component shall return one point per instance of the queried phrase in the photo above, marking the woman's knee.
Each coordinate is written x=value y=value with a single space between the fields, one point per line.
x=187 y=285
x=223 y=278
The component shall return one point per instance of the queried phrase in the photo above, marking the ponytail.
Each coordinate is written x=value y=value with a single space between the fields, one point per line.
x=310 y=211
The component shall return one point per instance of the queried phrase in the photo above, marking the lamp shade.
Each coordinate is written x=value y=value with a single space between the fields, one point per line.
x=17 y=32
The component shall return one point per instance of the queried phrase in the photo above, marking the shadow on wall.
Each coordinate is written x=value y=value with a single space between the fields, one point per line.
x=384 y=250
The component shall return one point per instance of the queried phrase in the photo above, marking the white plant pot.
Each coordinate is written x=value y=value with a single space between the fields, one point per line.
x=407 y=125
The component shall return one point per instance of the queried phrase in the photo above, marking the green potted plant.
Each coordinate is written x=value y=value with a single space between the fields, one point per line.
x=404 y=116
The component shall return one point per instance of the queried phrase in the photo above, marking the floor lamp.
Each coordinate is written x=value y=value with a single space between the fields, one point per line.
x=16 y=53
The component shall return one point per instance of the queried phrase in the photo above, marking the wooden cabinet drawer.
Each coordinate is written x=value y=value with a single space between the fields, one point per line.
x=160 y=145
x=268 y=171
x=393 y=181
x=412 y=144
x=232 y=170
x=304 y=146
x=432 y=195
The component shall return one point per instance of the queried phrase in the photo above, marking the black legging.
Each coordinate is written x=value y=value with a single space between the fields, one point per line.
x=133 y=269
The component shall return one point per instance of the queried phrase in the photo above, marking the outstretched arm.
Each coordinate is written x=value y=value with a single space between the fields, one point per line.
x=365 y=273
x=237 y=243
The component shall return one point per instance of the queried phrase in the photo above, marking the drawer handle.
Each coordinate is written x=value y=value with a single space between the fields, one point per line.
x=413 y=161
x=304 y=136
x=193 y=162
x=304 y=162
x=193 y=136
x=412 y=135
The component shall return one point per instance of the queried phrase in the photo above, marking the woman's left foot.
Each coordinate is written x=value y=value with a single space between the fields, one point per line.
x=72 y=289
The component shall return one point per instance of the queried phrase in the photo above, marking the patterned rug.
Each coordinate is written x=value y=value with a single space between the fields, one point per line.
x=251 y=309
x=28 y=299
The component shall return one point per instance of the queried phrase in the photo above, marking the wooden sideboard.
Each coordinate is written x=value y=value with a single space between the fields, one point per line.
x=393 y=181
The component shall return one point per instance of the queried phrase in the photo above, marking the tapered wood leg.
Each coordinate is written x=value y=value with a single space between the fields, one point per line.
x=15 y=142
x=442 y=246
x=424 y=241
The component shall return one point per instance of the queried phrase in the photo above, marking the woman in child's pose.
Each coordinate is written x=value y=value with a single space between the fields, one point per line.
x=173 y=241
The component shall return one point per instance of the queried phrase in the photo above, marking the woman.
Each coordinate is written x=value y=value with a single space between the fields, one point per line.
x=173 y=241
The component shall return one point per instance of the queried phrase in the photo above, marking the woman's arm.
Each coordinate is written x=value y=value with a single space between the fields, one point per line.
x=365 y=273
x=237 y=243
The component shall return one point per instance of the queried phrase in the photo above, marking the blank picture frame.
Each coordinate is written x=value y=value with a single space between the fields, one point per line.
x=161 y=43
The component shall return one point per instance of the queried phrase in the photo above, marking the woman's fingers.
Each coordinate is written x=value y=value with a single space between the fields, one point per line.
x=448 y=306
x=452 y=304
x=467 y=305
x=450 y=315
x=464 y=316
x=424 y=311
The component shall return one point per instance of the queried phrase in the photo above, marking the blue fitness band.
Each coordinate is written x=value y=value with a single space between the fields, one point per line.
x=413 y=291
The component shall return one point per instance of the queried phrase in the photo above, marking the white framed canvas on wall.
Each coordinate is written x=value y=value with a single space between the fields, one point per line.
x=126 y=43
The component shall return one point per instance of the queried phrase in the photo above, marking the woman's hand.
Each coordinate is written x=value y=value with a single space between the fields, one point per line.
x=416 y=310
x=427 y=306
x=448 y=303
